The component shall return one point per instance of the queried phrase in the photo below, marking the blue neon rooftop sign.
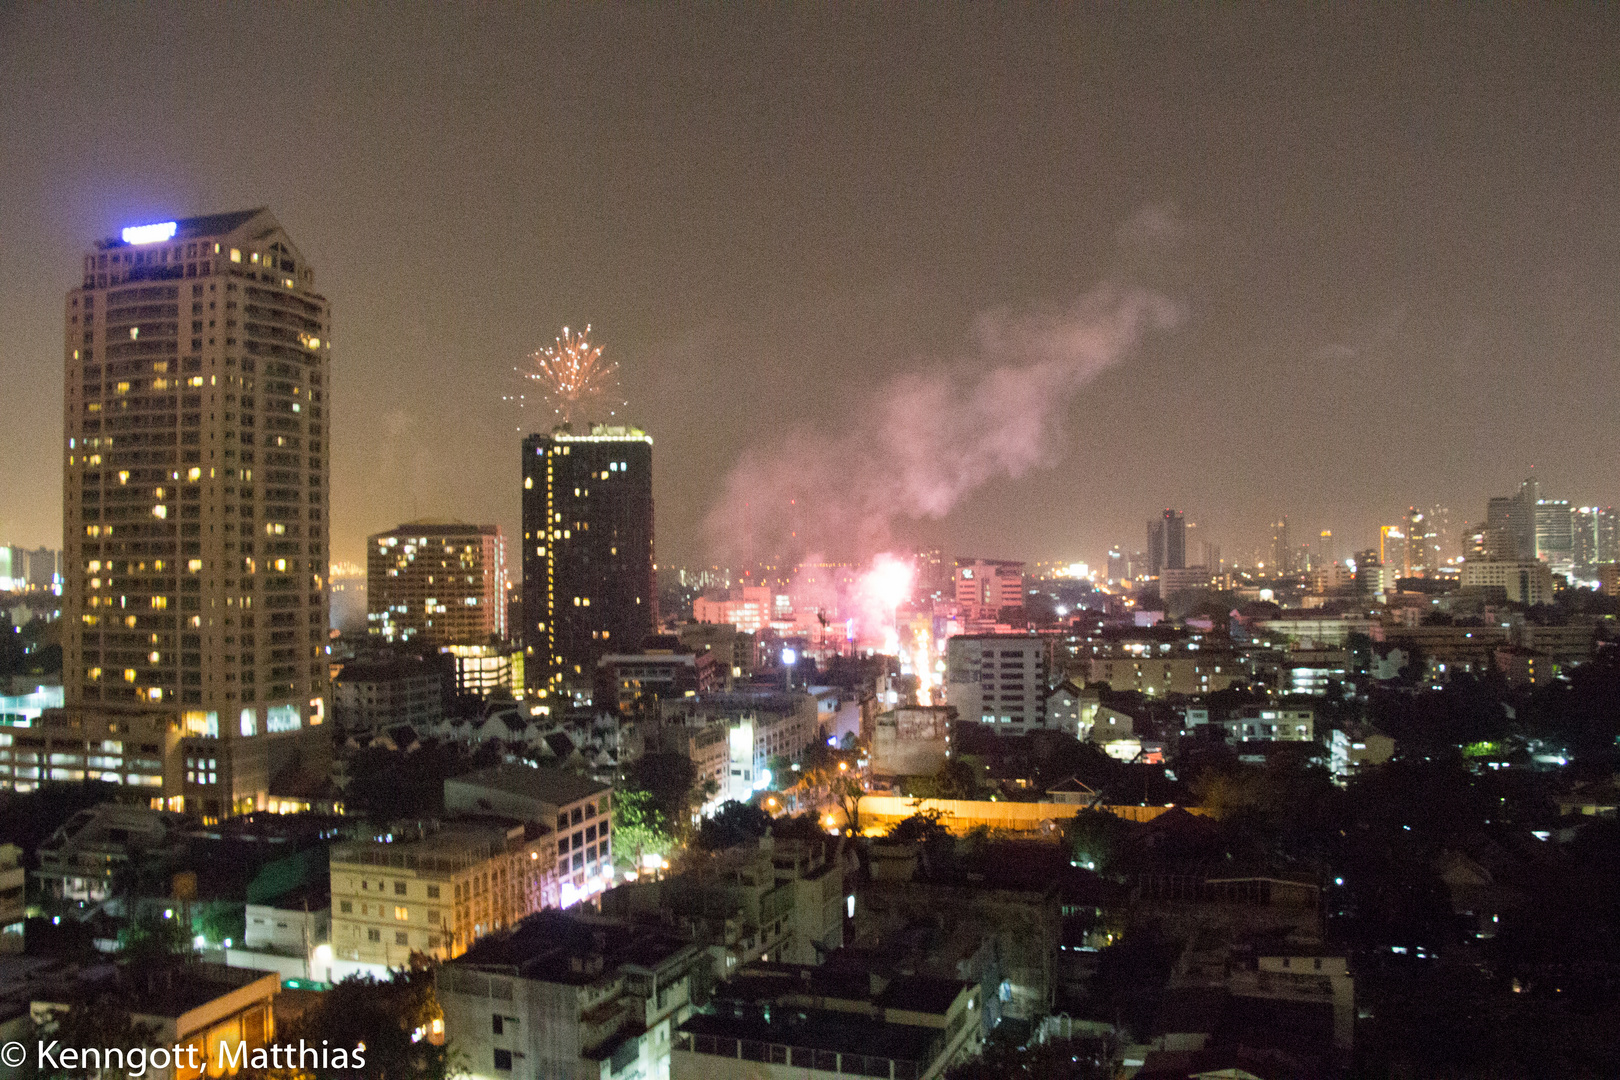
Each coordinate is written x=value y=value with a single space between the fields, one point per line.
x=150 y=234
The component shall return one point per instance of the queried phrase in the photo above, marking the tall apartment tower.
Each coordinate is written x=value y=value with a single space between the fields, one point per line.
x=1555 y=534
x=1282 y=549
x=1597 y=536
x=194 y=517
x=1167 y=542
x=437 y=583
x=589 y=584
x=1514 y=516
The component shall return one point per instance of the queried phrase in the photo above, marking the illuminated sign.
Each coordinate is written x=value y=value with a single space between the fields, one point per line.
x=149 y=234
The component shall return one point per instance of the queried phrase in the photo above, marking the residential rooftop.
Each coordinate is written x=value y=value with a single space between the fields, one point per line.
x=550 y=786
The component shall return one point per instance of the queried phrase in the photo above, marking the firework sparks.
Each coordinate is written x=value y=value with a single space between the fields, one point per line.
x=572 y=374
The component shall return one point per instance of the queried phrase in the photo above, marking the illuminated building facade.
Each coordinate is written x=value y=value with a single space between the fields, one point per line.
x=1524 y=582
x=438 y=894
x=998 y=679
x=1597 y=536
x=1515 y=517
x=196 y=355
x=1167 y=542
x=437 y=583
x=588 y=574
x=984 y=587
x=1555 y=534
x=750 y=608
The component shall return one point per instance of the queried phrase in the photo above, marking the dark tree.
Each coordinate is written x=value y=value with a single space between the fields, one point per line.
x=389 y=1017
x=733 y=824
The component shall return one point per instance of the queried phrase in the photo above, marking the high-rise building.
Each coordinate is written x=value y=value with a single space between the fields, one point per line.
x=437 y=583
x=1555 y=534
x=1514 y=516
x=588 y=572
x=985 y=586
x=1422 y=544
x=194 y=517
x=1167 y=542
x=1597 y=535
x=998 y=679
x=1118 y=566
x=22 y=570
x=1282 y=549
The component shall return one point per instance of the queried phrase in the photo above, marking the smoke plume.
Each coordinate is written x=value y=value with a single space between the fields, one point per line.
x=926 y=439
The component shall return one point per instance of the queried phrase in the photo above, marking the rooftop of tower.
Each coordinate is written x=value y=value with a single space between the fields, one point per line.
x=202 y=225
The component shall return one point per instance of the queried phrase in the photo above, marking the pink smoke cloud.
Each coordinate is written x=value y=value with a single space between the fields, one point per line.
x=926 y=439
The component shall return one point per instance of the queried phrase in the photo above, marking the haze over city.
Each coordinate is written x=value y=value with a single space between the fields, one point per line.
x=1386 y=235
x=786 y=542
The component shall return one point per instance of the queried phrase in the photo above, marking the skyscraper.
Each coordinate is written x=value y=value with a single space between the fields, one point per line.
x=194 y=516
x=1514 y=517
x=1167 y=542
x=1282 y=549
x=437 y=583
x=588 y=573
x=1555 y=534
x=1422 y=544
x=1597 y=535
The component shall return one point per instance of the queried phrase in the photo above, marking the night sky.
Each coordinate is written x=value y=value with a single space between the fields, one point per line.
x=1389 y=235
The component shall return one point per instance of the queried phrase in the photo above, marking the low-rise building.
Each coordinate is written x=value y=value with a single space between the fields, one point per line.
x=781 y=900
x=1520 y=666
x=791 y=1021
x=291 y=936
x=734 y=649
x=625 y=680
x=760 y=725
x=1071 y=708
x=564 y=995
x=579 y=809
x=1356 y=746
x=198 y=1011
x=912 y=740
x=377 y=693
x=1272 y=723
x=438 y=894
x=1180 y=671
x=1524 y=582
x=1311 y=672
x=13 y=909
x=82 y=865
x=482 y=670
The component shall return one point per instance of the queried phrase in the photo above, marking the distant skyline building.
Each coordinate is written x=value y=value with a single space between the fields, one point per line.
x=1167 y=542
x=1118 y=565
x=1422 y=544
x=30 y=569
x=1514 y=518
x=194 y=517
x=1282 y=550
x=985 y=586
x=437 y=583
x=1596 y=535
x=589 y=586
x=1555 y=534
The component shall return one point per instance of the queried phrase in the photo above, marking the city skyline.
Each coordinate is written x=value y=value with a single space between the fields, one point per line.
x=743 y=258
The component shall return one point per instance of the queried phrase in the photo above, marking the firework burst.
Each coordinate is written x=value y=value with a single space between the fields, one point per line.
x=572 y=374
